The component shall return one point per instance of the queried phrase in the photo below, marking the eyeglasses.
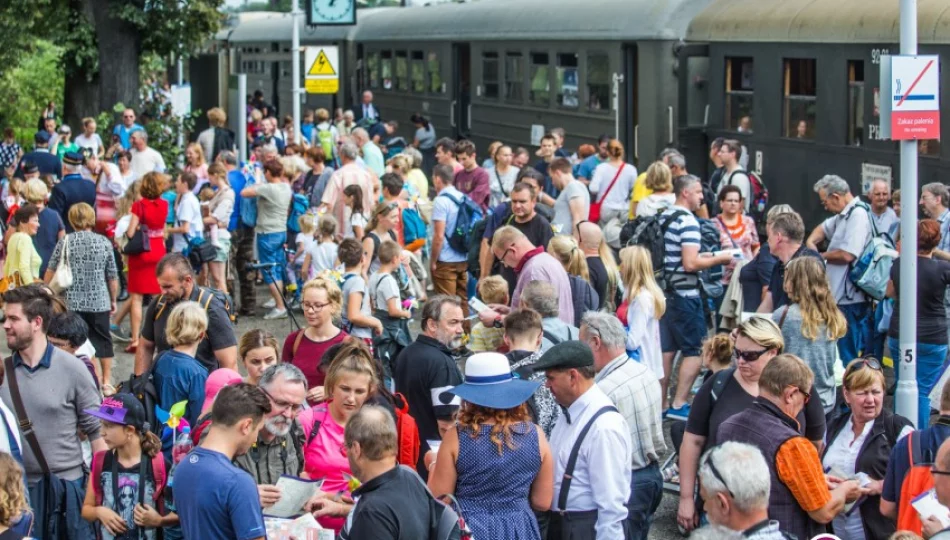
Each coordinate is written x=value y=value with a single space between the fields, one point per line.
x=306 y=306
x=934 y=470
x=748 y=356
x=282 y=405
x=505 y=254
x=716 y=473
x=578 y=227
x=804 y=393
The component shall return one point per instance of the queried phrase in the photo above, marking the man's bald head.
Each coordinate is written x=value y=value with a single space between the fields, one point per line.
x=589 y=236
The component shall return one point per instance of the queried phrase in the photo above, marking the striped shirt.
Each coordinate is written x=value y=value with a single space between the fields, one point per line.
x=682 y=231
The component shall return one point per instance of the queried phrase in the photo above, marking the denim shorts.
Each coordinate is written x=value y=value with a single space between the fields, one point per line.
x=683 y=326
x=270 y=249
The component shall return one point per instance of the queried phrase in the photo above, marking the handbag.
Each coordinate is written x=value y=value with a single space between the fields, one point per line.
x=63 y=278
x=140 y=242
x=200 y=252
x=594 y=216
x=10 y=282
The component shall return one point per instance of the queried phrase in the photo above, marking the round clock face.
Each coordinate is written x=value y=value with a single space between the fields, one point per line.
x=333 y=10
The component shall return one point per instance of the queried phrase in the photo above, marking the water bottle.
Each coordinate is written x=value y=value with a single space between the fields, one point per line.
x=182 y=446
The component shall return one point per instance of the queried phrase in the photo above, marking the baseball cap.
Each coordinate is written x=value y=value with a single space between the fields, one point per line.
x=41 y=137
x=123 y=409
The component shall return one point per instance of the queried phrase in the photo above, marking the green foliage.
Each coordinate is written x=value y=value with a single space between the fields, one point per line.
x=172 y=26
x=35 y=79
x=19 y=24
x=163 y=130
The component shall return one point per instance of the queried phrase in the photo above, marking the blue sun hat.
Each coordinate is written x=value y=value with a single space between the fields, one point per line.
x=489 y=383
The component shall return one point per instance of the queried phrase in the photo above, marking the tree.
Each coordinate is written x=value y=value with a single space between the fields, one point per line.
x=34 y=77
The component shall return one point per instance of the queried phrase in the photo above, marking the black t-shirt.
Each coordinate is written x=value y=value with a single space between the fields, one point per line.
x=779 y=298
x=393 y=505
x=705 y=417
x=933 y=277
x=754 y=276
x=220 y=333
x=598 y=278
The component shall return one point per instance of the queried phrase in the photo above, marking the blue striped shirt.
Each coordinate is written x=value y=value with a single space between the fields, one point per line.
x=682 y=231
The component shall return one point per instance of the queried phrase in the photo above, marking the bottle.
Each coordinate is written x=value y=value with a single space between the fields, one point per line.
x=182 y=446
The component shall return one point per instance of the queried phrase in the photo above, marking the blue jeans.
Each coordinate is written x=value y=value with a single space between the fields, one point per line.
x=860 y=322
x=270 y=249
x=646 y=492
x=930 y=360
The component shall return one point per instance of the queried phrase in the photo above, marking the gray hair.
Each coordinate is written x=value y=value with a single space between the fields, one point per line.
x=375 y=431
x=228 y=157
x=432 y=310
x=608 y=327
x=682 y=183
x=715 y=532
x=938 y=189
x=360 y=134
x=73 y=169
x=349 y=151
x=282 y=370
x=269 y=149
x=744 y=473
x=414 y=155
x=140 y=133
x=541 y=297
x=832 y=184
x=348 y=114
x=667 y=152
x=677 y=160
x=777 y=210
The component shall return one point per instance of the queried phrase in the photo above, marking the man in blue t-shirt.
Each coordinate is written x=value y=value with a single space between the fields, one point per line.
x=585 y=169
x=214 y=498
x=125 y=129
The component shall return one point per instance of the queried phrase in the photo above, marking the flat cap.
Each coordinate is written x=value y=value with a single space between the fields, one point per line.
x=73 y=158
x=565 y=355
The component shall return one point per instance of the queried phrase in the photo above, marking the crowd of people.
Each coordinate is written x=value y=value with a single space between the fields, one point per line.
x=557 y=300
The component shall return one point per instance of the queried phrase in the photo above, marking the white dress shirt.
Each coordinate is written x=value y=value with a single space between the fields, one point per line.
x=601 y=478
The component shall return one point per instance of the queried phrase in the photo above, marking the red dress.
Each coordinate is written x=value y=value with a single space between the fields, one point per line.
x=142 y=278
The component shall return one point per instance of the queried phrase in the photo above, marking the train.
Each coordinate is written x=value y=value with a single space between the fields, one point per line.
x=795 y=81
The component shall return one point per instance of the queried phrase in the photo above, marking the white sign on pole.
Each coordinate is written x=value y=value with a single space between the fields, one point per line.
x=323 y=69
x=911 y=100
x=537 y=131
x=871 y=172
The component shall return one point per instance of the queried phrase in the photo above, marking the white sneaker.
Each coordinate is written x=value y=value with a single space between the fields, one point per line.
x=270 y=304
x=276 y=314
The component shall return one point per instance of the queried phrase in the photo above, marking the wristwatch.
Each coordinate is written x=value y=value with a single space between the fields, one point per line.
x=498 y=322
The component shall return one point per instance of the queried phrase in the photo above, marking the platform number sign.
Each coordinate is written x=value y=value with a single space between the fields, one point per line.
x=331 y=12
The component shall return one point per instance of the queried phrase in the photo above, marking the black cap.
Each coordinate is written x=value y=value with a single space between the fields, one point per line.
x=565 y=355
x=73 y=158
x=29 y=167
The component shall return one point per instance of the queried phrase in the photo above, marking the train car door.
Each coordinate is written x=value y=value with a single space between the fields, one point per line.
x=461 y=90
x=694 y=106
x=626 y=117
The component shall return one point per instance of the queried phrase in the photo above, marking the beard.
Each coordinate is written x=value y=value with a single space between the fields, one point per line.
x=18 y=343
x=278 y=426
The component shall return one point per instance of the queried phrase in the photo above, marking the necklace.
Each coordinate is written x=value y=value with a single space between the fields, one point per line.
x=736 y=230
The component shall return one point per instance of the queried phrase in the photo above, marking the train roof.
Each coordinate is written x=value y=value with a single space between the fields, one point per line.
x=817 y=21
x=273 y=26
x=613 y=20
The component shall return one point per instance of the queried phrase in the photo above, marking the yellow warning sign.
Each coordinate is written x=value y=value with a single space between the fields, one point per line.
x=321 y=66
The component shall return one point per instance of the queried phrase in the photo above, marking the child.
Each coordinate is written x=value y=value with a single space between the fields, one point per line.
x=387 y=305
x=129 y=479
x=188 y=222
x=322 y=254
x=178 y=375
x=716 y=355
x=67 y=332
x=297 y=266
x=358 y=320
x=353 y=198
x=15 y=519
x=492 y=290
x=641 y=310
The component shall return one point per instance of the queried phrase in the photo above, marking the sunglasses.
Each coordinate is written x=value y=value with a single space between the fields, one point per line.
x=934 y=470
x=748 y=356
x=804 y=393
x=716 y=473
x=868 y=362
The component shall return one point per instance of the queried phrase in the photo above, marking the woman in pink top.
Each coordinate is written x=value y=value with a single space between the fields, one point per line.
x=195 y=163
x=350 y=380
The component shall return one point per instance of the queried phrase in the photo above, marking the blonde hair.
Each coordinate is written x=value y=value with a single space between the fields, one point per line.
x=859 y=377
x=763 y=331
x=401 y=164
x=187 y=324
x=493 y=290
x=636 y=270
x=196 y=148
x=659 y=177
x=12 y=496
x=329 y=286
x=565 y=249
x=35 y=191
x=327 y=226
x=493 y=148
x=307 y=224
x=217 y=117
x=352 y=360
x=81 y=216
x=613 y=273
x=506 y=236
x=123 y=205
x=291 y=167
x=807 y=285
x=719 y=350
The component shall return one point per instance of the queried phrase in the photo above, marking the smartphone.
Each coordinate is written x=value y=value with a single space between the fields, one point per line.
x=477 y=305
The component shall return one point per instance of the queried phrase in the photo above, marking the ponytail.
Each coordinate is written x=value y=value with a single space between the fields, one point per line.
x=613 y=274
x=356 y=192
x=151 y=444
x=565 y=250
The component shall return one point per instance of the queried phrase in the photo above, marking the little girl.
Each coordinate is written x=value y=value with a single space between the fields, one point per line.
x=125 y=491
x=322 y=254
x=304 y=242
x=353 y=197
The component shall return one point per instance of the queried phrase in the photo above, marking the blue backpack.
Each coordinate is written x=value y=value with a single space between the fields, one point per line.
x=299 y=204
x=412 y=225
x=461 y=237
x=249 y=204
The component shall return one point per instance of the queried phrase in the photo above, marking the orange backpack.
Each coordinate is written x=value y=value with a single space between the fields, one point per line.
x=407 y=431
x=917 y=480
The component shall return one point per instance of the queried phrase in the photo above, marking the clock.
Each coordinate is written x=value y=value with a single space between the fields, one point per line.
x=331 y=12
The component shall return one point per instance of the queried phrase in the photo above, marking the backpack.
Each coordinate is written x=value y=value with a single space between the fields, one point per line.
x=223 y=140
x=650 y=232
x=248 y=205
x=462 y=237
x=872 y=270
x=413 y=228
x=205 y=295
x=450 y=525
x=474 y=252
x=143 y=388
x=710 y=279
x=758 y=195
x=158 y=474
x=325 y=139
x=299 y=204
x=918 y=480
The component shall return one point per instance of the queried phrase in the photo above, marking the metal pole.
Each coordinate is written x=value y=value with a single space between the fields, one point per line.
x=906 y=396
x=295 y=68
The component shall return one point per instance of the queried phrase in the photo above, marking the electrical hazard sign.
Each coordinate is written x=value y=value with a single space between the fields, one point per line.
x=322 y=75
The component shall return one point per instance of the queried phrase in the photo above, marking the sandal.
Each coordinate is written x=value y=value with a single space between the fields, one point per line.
x=108 y=390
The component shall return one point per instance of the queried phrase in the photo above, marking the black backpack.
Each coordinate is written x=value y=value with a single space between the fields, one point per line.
x=205 y=295
x=143 y=388
x=650 y=233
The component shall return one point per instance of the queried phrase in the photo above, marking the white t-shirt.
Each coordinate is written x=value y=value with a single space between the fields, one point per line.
x=306 y=240
x=740 y=179
x=356 y=220
x=146 y=161
x=619 y=196
x=322 y=257
x=188 y=211
x=94 y=142
x=643 y=332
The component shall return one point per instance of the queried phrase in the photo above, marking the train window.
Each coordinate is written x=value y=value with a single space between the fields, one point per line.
x=490 y=75
x=435 y=73
x=540 y=92
x=514 y=76
x=598 y=81
x=856 y=103
x=402 y=71
x=800 y=95
x=386 y=69
x=566 y=81
x=372 y=68
x=928 y=148
x=740 y=84
x=418 y=72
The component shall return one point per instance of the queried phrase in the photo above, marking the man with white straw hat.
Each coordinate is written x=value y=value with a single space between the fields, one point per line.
x=592 y=449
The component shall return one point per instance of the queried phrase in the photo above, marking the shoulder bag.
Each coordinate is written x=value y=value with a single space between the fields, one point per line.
x=63 y=278
x=594 y=215
x=139 y=242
